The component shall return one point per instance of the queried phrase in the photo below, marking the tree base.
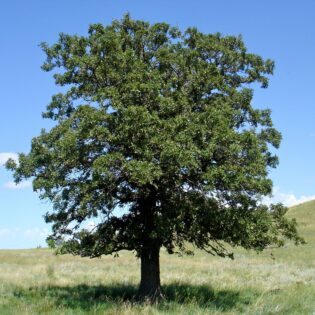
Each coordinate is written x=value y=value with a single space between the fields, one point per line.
x=152 y=297
x=150 y=285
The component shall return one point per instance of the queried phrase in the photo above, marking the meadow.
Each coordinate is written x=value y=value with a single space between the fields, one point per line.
x=277 y=281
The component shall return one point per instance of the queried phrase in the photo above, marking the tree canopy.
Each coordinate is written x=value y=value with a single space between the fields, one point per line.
x=160 y=122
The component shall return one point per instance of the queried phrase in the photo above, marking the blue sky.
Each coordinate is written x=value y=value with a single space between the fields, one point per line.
x=282 y=30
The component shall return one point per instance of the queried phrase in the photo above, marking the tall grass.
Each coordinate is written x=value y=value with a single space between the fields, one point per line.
x=279 y=281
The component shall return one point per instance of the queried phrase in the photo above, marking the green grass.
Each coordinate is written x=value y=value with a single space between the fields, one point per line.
x=278 y=281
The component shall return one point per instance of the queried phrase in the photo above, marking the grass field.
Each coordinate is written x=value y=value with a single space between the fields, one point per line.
x=279 y=281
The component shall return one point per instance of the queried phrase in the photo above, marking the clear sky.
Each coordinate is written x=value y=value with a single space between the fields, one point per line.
x=282 y=30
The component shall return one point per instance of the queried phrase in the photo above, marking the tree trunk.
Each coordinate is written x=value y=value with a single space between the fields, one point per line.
x=150 y=285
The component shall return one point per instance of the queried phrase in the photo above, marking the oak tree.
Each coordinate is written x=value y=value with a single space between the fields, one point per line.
x=161 y=123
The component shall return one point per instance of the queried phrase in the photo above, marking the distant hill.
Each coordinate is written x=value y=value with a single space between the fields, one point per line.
x=305 y=215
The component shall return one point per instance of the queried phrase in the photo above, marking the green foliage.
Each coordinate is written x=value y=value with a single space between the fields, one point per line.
x=51 y=243
x=160 y=121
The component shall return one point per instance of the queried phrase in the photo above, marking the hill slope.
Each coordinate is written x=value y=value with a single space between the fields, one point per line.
x=305 y=215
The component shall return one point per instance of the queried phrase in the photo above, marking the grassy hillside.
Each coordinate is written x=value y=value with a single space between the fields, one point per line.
x=279 y=281
x=305 y=215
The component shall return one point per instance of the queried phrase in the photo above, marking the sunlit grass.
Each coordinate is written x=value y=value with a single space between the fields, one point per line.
x=279 y=281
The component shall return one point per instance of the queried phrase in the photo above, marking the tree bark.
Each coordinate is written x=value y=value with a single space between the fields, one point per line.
x=150 y=284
